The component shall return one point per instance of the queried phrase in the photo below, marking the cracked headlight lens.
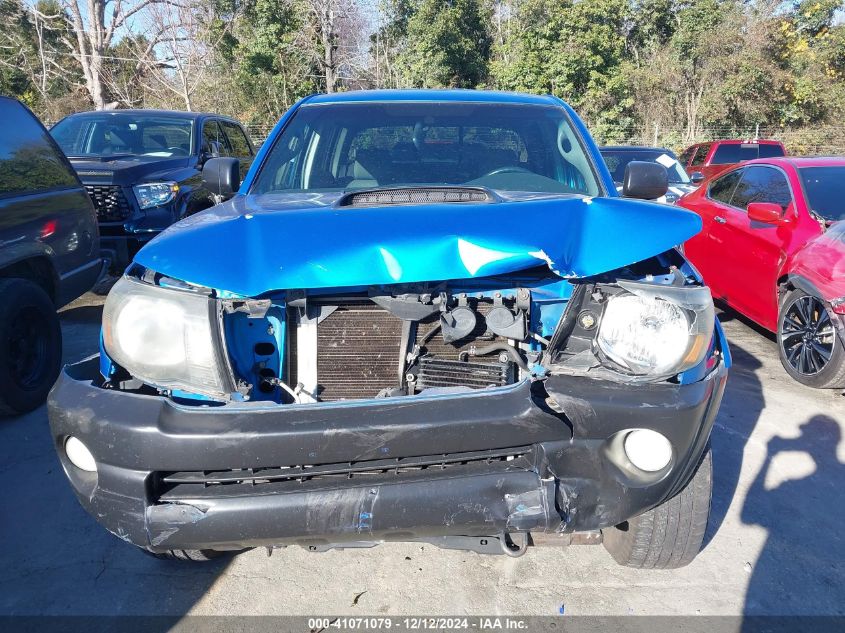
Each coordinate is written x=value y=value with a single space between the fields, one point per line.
x=165 y=337
x=657 y=331
x=155 y=194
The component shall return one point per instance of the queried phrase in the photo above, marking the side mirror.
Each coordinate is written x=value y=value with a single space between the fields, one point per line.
x=647 y=181
x=210 y=150
x=696 y=178
x=766 y=212
x=222 y=176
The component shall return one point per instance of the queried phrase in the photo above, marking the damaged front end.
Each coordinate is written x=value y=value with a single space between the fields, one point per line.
x=466 y=413
x=426 y=316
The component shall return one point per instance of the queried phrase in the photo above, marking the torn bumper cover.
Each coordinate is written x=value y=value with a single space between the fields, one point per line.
x=536 y=456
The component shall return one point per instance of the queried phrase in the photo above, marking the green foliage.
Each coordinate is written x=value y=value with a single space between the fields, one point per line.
x=670 y=68
x=267 y=66
x=448 y=44
x=571 y=49
x=47 y=89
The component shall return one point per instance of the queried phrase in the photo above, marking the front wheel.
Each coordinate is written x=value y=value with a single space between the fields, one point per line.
x=30 y=346
x=808 y=344
x=671 y=534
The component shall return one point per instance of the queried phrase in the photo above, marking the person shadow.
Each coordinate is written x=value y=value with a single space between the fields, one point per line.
x=801 y=568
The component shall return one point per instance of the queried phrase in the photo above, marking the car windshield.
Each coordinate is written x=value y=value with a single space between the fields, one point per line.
x=617 y=160
x=825 y=190
x=104 y=134
x=506 y=147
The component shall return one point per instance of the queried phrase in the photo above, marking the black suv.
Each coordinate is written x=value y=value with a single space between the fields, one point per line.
x=142 y=168
x=49 y=255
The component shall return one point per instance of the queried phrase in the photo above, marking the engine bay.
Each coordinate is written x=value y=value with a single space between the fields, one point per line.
x=375 y=344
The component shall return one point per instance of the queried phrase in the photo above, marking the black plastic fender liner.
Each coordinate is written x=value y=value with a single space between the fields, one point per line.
x=477 y=505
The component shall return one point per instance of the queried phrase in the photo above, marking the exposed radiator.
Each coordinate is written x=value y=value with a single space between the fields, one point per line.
x=357 y=352
x=441 y=372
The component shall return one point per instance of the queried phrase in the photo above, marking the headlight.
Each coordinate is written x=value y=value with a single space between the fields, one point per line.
x=165 y=337
x=657 y=330
x=155 y=194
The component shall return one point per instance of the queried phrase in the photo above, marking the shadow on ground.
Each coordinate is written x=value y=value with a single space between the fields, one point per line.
x=56 y=559
x=741 y=408
x=800 y=537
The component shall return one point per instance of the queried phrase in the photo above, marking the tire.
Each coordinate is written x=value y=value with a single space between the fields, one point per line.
x=670 y=535
x=30 y=346
x=810 y=351
x=105 y=284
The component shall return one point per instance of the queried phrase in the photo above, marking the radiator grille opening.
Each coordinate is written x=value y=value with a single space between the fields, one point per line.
x=298 y=474
x=110 y=202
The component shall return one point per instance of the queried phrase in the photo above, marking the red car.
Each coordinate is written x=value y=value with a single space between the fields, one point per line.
x=772 y=247
x=709 y=159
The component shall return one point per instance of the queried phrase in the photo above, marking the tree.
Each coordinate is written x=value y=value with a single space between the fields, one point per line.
x=449 y=44
x=94 y=28
x=389 y=42
x=179 y=61
x=570 y=49
x=266 y=61
x=33 y=64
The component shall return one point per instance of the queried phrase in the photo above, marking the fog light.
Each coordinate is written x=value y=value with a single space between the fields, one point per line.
x=79 y=455
x=648 y=450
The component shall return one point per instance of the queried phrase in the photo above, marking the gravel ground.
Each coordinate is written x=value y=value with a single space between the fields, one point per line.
x=775 y=544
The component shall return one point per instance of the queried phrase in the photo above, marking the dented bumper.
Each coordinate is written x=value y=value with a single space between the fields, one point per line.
x=534 y=457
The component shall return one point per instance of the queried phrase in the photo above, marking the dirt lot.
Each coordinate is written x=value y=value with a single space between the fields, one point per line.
x=775 y=544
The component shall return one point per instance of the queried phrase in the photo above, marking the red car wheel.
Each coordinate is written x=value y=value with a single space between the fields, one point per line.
x=810 y=348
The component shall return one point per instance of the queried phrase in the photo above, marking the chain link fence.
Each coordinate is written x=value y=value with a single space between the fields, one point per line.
x=824 y=140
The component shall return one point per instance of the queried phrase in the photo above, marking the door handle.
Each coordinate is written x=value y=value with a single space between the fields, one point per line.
x=720 y=219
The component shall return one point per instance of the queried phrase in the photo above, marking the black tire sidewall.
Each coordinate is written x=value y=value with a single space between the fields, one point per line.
x=17 y=295
x=824 y=378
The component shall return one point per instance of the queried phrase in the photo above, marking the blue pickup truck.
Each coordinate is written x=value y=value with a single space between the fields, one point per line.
x=420 y=316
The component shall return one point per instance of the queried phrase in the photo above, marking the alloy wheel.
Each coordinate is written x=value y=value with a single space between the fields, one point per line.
x=807 y=335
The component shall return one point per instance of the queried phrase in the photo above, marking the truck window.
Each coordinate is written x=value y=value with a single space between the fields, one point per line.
x=237 y=139
x=771 y=150
x=700 y=155
x=729 y=153
x=212 y=136
x=29 y=161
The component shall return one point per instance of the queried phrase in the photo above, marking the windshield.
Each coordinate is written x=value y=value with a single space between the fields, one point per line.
x=825 y=190
x=617 y=160
x=341 y=147
x=113 y=133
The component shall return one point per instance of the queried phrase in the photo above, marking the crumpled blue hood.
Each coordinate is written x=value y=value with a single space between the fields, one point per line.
x=255 y=244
